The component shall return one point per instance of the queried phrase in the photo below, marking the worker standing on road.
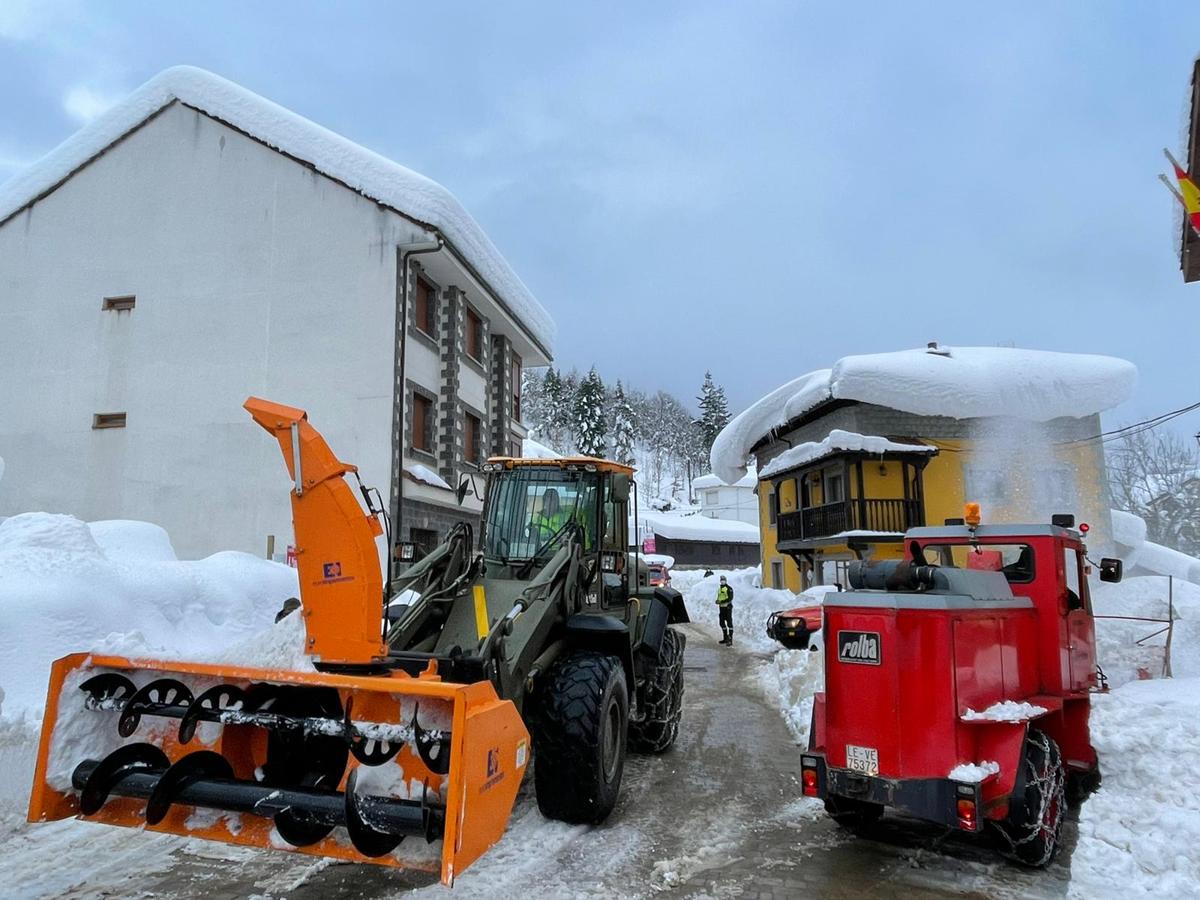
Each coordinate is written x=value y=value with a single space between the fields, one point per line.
x=725 y=611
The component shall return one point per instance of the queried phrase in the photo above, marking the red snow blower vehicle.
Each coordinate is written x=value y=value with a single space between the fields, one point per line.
x=957 y=684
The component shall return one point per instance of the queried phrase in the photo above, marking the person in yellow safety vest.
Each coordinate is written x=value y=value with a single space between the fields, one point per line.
x=725 y=611
x=549 y=518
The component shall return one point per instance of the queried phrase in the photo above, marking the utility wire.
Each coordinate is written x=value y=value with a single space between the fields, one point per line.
x=1145 y=425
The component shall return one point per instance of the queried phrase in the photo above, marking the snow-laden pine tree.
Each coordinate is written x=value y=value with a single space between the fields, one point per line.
x=533 y=400
x=621 y=412
x=714 y=411
x=555 y=411
x=589 y=424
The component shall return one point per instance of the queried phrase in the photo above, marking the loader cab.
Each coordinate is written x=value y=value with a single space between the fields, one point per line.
x=533 y=506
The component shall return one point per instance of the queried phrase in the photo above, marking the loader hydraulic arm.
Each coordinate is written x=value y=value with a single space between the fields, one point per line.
x=341 y=587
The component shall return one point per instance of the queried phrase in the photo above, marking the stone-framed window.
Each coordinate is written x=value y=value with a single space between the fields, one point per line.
x=425 y=307
x=421 y=432
x=472 y=438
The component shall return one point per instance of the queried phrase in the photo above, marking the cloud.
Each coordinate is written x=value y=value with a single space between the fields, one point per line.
x=24 y=20
x=83 y=103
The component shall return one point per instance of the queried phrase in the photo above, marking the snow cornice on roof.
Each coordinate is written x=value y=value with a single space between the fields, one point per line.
x=954 y=382
x=408 y=193
x=837 y=442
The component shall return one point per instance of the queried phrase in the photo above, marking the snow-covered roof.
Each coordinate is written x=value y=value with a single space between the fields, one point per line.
x=958 y=382
x=531 y=449
x=695 y=527
x=426 y=475
x=362 y=170
x=838 y=441
x=712 y=481
x=1129 y=534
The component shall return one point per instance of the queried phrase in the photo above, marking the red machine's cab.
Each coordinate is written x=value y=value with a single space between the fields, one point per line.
x=942 y=668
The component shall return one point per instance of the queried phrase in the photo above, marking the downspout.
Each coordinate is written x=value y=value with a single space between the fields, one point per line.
x=404 y=251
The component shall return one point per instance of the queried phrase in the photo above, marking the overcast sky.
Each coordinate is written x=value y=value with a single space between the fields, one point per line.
x=754 y=188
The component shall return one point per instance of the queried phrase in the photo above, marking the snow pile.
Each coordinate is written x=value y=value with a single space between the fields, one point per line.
x=425 y=475
x=974 y=773
x=838 y=441
x=691 y=526
x=360 y=169
x=1005 y=711
x=1118 y=652
x=61 y=592
x=959 y=382
x=123 y=540
x=1140 y=830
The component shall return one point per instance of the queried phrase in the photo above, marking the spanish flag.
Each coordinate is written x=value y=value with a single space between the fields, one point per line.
x=1188 y=193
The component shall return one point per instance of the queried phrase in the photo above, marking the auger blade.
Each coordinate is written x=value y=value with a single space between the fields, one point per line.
x=326 y=764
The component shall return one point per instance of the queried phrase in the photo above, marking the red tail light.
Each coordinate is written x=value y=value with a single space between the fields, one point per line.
x=808 y=778
x=966 y=815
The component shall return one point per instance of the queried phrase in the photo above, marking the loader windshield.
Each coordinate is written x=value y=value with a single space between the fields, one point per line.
x=528 y=509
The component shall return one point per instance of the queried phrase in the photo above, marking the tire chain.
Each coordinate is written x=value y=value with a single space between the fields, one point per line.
x=1050 y=784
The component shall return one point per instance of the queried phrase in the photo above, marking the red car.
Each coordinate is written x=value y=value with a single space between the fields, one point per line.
x=794 y=628
x=658 y=575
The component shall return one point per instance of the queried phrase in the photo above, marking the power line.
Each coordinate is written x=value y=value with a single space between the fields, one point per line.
x=1145 y=425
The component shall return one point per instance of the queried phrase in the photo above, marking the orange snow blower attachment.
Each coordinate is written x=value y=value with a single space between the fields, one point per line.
x=367 y=763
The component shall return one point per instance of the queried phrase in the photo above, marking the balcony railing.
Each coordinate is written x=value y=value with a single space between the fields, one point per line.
x=850 y=515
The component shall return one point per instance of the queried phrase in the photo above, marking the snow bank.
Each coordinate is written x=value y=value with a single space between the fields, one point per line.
x=361 y=169
x=960 y=382
x=838 y=441
x=61 y=592
x=1117 y=650
x=122 y=540
x=1140 y=830
x=691 y=526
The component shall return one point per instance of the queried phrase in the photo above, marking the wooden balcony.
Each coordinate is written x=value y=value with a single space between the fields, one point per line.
x=817 y=522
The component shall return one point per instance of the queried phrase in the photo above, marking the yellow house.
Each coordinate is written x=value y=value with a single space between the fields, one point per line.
x=851 y=457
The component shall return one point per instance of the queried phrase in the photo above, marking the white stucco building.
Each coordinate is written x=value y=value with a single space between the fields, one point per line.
x=198 y=244
x=719 y=500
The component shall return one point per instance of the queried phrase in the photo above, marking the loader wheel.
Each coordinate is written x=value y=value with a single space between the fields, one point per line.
x=657 y=730
x=852 y=814
x=1035 y=816
x=580 y=723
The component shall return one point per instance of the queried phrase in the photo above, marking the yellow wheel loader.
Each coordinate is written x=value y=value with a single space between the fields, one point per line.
x=406 y=741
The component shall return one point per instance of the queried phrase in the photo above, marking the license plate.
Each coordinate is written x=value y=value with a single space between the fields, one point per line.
x=862 y=759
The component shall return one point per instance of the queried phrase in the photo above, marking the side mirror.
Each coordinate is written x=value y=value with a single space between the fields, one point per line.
x=464 y=484
x=620 y=487
x=1111 y=569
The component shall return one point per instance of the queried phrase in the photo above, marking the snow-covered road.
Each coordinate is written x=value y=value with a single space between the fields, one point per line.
x=717 y=816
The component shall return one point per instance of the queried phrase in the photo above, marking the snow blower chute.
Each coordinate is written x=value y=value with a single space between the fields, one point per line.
x=370 y=757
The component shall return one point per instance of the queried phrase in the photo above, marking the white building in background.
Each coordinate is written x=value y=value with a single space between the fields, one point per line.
x=197 y=244
x=736 y=501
